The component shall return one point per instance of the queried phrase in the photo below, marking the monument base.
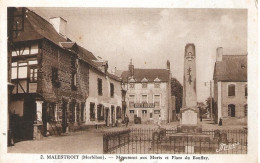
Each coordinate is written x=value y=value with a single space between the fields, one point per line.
x=189 y=129
x=189 y=116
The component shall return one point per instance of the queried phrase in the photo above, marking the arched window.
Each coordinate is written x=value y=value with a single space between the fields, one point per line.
x=245 y=111
x=231 y=110
x=231 y=90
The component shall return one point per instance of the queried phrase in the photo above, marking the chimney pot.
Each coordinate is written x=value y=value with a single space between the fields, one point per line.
x=168 y=65
x=219 y=54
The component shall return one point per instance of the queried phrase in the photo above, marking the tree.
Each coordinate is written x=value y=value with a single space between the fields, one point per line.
x=208 y=106
x=202 y=108
x=177 y=91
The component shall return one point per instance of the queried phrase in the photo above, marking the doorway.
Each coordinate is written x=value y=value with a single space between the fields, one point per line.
x=112 y=115
x=29 y=116
x=107 y=116
x=232 y=110
x=64 y=116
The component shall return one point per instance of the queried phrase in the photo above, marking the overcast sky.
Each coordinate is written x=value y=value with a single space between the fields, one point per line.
x=151 y=36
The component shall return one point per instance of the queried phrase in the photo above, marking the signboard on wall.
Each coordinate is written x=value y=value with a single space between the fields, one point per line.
x=156 y=111
x=144 y=105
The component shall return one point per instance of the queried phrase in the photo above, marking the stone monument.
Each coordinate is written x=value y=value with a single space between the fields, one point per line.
x=189 y=113
x=189 y=137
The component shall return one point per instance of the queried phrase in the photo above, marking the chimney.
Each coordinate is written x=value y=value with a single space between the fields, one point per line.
x=115 y=70
x=60 y=25
x=168 y=65
x=131 y=68
x=219 y=54
x=105 y=66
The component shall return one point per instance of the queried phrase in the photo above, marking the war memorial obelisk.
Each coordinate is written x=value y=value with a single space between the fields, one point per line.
x=189 y=113
x=189 y=130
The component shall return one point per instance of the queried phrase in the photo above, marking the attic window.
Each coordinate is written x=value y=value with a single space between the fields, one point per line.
x=144 y=85
x=243 y=66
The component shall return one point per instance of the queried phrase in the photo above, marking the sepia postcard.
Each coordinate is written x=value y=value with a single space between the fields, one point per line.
x=139 y=81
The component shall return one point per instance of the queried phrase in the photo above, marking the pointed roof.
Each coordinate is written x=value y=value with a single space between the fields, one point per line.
x=144 y=80
x=157 y=80
x=232 y=68
x=36 y=28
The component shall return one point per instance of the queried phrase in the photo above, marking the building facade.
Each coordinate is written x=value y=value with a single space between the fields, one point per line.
x=148 y=95
x=54 y=81
x=104 y=104
x=230 y=88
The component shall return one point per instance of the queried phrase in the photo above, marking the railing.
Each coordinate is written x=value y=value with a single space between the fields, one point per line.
x=115 y=140
x=143 y=141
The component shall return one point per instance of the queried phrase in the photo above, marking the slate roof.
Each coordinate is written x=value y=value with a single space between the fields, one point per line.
x=149 y=74
x=37 y=28
x=232 y=68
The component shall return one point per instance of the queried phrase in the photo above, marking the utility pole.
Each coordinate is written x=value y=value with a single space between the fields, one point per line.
x=210 y=84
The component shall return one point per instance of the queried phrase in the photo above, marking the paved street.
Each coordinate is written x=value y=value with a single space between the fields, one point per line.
x=90 y=141
x=78 y=142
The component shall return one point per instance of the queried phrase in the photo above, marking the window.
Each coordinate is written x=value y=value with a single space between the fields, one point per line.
x=100 y=112
x=246 y=90
x=72 y=112
x=245 y=111
x=82 y=112
x=100 y=87
x=19 y=70
x=22 y=71
x=131 y=111
x=33 y=74
x=144 y=85
x=25 y=50
x=131 y=101
x=231 y=110
x=77 y=112
x=156 y=111
x=92 y=111
x=151 y=115
x=74 y=81
x=231 y=90
x=55 y=76
x=156 y=85
x=157 y=100
x=144 y=113
x=144 y=99
x=118 y=112
x=51 y=112
x=111 y=90
x=132 y=85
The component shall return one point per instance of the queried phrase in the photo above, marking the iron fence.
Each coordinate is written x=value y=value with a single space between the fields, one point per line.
x=144 y=141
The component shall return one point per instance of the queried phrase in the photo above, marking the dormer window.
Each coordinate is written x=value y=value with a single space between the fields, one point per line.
x=157 y=83
x=132 y=84
x=144 y=83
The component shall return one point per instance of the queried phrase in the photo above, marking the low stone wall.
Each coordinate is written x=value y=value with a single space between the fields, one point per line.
x=234 y=121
